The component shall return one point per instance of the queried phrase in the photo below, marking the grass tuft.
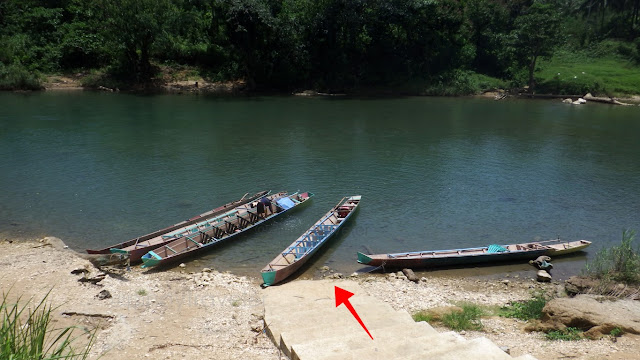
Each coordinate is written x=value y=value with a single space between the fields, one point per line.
x=25 y=333
x=525 y=310
x=568 y=334
x=468 y=319
x=422 y=316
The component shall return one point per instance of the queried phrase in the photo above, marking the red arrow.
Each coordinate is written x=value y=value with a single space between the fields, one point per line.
x=342 y=296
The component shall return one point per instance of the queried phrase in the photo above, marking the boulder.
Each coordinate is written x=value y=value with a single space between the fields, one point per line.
x=411 y=276
x=543 y=276
x=580 y=285
x=593 y=314
x=567 y=101
x=542 y=263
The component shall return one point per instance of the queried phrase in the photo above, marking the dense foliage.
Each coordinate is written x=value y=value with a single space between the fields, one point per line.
x=292 y=44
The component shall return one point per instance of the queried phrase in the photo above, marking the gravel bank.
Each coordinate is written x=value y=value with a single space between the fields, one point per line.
x=213 y=315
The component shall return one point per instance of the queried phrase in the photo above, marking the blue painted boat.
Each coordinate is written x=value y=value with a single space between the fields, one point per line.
x=297 y=254
x=204 y=235
x=426 y=259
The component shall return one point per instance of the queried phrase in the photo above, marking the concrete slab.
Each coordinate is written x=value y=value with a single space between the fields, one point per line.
x=302 y=319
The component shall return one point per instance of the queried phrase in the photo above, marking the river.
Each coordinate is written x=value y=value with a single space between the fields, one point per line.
x=434 y=173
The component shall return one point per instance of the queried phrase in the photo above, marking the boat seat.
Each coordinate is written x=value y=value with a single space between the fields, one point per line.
x=494 y=248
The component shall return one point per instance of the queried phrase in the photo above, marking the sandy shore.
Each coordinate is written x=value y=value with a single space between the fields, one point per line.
x=214 y=315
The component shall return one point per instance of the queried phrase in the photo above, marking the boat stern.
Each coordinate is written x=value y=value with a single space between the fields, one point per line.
x=269 y=278
x=364 y=259
x=150 y=259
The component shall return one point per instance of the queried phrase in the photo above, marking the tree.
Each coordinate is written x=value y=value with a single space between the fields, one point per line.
x=537 y=33
x=133 y=26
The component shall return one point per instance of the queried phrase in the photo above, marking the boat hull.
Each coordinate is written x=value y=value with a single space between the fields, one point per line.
x=373 y=260
x=155 y=259
x=571 y=247
x=275 y=272
x=139 y=246
x=455 y=257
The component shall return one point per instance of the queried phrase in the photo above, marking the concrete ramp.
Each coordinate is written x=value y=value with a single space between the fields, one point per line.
x=302 y=320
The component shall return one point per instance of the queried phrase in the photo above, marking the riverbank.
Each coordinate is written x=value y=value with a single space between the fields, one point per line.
x=201 y=86
x=217 y=315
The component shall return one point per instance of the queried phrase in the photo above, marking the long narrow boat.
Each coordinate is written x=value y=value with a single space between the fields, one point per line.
x=294 y=256
x=558 y=248
x=139 y=246
x=487 y=254
x=205 y=234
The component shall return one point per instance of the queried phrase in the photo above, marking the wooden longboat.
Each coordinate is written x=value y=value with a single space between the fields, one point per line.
x=297 y=254
x=558 y=248
x=139 y=246
x=488 y=254
x=210 y=232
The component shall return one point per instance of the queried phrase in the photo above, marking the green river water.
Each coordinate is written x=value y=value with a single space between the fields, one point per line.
x=435 y=173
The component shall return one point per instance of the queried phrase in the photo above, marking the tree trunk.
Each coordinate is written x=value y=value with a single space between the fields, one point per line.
x=532 y=68
x=145 y=65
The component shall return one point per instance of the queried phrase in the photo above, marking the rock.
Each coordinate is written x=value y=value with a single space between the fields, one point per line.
x=567 y=101
x=423 y=279
x=79 y=271
x=542 y=263
x=353 y=275
x=399 y=274
x=411 y=276
x=306 y=93
x=206 y=270
x=582 y=101
x=597 y=332
x=324 y=268
x=505 y=281
x=94 y=280
x=543 y=276
x=104 y=294
x=591 y=311
x=580 y=285
x=183 y=265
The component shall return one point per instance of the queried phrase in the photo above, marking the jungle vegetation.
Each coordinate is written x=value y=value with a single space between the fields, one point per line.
x=417 y=46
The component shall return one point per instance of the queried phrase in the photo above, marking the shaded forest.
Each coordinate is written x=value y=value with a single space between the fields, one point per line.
x=327 y=45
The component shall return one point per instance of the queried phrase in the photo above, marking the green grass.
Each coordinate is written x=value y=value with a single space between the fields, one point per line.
x=598 y=72
x=468 y=319
x=616 y=332
x=422 y=316
x=568 y=334
x=525 y=310
x=26 y=333
x=142 y=292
